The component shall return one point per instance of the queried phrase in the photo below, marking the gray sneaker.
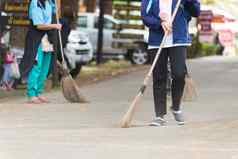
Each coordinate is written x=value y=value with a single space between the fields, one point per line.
x=178 y=116
x=158 y=122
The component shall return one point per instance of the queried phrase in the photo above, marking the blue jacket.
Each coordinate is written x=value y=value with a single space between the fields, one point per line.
x=150 y=16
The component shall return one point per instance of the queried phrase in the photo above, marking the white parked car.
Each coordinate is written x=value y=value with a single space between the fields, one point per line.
x=88 y=23
x=78 y=50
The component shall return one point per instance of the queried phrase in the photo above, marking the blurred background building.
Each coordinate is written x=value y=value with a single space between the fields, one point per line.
x=92 y=5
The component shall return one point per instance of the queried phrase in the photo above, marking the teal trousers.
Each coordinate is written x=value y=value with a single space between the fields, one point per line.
x=38 y=74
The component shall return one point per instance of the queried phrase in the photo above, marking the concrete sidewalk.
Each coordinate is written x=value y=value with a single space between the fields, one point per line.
x=70 y=131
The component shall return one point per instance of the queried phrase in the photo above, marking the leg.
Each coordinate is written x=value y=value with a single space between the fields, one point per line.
x=177 y=57
x=44 y=72
x=160 y=82
x=6 y=73
x=6 y=76
x=169 y=80
x=34 y=74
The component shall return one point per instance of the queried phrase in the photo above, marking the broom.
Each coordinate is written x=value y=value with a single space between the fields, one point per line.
x=127 y=118
x=69 y=87
x=190 y=90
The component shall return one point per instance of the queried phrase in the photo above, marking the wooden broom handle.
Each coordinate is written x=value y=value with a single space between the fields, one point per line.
x=60 y=37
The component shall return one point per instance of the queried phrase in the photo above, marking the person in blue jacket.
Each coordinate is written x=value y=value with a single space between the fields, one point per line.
x=35 y=64
x=156 y=15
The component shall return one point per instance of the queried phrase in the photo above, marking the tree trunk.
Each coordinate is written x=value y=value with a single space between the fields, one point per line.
x=108 y=6
x=91 y=5
x=70 y=9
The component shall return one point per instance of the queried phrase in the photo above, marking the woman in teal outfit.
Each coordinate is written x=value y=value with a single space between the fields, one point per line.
x=35 y=63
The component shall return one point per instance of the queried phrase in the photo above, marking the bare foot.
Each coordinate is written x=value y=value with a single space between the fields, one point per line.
x=43 y=99
x=34 y=100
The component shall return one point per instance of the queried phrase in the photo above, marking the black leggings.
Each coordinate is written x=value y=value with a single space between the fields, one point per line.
x=177 y=57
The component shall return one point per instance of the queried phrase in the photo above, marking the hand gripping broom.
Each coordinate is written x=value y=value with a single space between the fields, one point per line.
x=127 y=118
x=68 y=85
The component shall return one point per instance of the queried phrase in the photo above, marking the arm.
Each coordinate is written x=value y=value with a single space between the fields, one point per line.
x=193 y=7
x=48 y=26
x=149 y=19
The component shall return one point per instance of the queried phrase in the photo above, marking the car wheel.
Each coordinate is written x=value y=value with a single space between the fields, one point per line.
x=139 y=56
x=75 y=72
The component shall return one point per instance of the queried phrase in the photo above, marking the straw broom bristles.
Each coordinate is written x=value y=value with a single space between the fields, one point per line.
x=190 y=90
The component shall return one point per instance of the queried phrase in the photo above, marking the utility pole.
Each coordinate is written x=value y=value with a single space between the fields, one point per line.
x=55 y=70
x=100 y=32
x=1 y=23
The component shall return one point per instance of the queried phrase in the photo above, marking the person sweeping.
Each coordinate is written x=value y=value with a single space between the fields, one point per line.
x=156 y=15
x=36 y=61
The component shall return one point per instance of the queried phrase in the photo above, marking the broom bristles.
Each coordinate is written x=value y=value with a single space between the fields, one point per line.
x=71 y=91
x=190 y=90
x=127 y=118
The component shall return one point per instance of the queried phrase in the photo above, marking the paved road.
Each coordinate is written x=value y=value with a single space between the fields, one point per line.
x=71 y=131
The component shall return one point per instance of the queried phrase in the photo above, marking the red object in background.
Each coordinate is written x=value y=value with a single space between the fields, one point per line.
x=9 y=58
x=220 y=18
x=205 y=20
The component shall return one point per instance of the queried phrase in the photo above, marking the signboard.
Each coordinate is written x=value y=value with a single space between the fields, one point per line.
x=17 y=12
x=205 y=22
x=18 y=21
x=11 y=7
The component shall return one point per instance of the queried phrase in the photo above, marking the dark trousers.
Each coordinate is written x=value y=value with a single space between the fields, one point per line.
x=177 y=58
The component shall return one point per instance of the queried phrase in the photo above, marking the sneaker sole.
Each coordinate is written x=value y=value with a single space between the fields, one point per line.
x=181 y=123
x=156 y=124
